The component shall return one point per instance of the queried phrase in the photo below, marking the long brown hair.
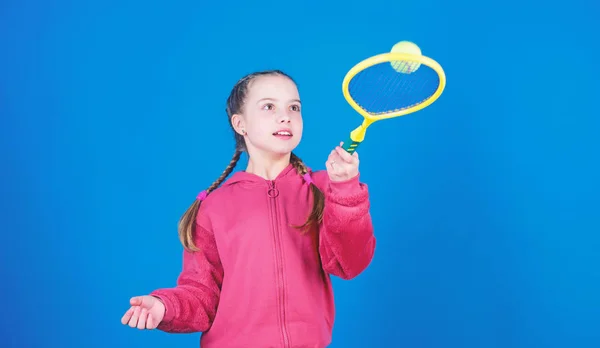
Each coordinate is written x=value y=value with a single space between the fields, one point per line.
x=235 y=104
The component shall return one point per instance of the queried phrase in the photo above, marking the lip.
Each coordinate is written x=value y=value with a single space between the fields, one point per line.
x=284 y=130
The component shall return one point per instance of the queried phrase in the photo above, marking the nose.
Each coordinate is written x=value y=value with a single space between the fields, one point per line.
x=284 y=117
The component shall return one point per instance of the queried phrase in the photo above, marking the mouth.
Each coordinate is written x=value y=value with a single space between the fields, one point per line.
x=283 y=133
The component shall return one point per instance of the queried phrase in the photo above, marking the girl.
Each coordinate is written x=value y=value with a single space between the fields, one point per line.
x=259 y=248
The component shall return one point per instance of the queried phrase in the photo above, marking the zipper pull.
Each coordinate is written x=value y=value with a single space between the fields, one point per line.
x=273 y=191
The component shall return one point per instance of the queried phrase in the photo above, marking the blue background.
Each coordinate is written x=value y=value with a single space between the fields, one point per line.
x=486 y=204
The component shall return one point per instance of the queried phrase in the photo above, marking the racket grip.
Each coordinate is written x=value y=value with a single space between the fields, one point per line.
x=350 y=145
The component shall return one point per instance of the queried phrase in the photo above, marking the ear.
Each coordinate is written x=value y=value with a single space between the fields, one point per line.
x=238 y=124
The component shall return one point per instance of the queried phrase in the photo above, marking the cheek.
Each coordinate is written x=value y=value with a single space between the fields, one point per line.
x=258 y=131
x=298 y=121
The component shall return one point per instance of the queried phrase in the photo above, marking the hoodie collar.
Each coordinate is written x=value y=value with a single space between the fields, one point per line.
x=243 y=176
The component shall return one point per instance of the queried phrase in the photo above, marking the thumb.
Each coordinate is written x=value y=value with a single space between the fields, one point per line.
x=144 y=301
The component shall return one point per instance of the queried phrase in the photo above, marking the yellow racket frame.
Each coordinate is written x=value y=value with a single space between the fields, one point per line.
x=357 y=136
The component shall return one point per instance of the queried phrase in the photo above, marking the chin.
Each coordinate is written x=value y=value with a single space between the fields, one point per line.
x=276 y=147
x=283 y=149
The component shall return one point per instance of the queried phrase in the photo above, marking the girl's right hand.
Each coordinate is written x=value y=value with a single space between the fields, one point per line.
x=146 y=312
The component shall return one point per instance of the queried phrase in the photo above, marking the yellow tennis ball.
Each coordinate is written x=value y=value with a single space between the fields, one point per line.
x=406 y=67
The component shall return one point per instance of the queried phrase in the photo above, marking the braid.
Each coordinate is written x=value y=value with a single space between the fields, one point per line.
x=226 y=172
x=188 y=220
x=316 y=214
x=298 y=165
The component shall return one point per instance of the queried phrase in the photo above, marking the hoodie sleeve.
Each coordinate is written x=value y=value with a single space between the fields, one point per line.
x=192 y=304
x=346 y=239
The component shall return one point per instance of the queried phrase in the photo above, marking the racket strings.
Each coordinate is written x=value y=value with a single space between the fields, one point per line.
x=381 y=89
x=383 y=83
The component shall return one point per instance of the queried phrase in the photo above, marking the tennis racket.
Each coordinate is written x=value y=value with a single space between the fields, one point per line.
x=390 y=85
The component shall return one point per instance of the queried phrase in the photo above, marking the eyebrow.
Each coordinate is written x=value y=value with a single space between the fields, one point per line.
x=293 y=100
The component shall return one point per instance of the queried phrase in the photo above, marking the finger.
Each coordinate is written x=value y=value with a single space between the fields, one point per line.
x=332 y=155
x=331 y=161
x=150 y=322
x=136 y=301
x=330 y=167
x=134 y=318
x=141 y=324
x=127 y=316
x=344 y=155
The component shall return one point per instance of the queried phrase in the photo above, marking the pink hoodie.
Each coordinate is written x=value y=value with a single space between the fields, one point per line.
x=258 y=281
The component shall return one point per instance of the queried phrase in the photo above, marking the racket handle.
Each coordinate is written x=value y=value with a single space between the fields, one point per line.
x=350 y=145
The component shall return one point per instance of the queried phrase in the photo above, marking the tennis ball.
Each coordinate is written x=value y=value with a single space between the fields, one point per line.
x=406 y=67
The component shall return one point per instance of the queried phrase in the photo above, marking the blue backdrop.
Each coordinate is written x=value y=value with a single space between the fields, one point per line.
x=485 y=205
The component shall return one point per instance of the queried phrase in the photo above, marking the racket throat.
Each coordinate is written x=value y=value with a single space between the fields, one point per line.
x=358 y=134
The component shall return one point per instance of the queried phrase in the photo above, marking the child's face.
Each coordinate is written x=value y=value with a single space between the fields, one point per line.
x=272 y=116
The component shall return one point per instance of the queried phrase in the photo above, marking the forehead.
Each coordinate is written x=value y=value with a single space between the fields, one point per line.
x=272 y=86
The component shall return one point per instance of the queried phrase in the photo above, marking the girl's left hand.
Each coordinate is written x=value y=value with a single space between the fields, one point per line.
x=342 y=166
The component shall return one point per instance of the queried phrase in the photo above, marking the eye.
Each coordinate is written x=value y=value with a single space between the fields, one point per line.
x=295 y=108
x=268 y=106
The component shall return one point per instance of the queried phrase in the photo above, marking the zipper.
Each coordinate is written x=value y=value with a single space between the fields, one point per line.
x=273 y=193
